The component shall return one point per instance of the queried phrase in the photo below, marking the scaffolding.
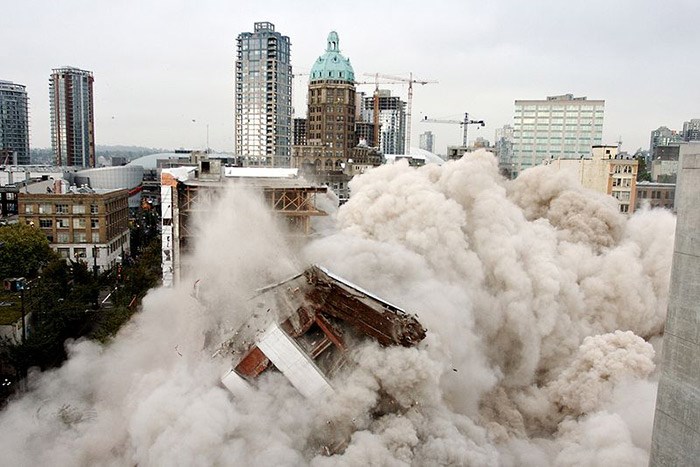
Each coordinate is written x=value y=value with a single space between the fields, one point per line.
x=293 y=199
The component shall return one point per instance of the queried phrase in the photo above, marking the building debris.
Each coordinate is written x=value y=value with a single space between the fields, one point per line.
x=305 y=327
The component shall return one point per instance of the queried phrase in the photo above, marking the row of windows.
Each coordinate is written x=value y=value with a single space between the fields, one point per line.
x=625 y=169
x=59 y=208
x=559 y=120
x=558 y=107
x=64 y=223
x=623 y=182
x=621 y=195
x=579 y=128
x=656 y=194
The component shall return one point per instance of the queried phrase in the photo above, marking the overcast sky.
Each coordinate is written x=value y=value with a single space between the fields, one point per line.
x=158 y=65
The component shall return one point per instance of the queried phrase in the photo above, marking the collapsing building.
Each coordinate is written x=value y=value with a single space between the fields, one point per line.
x=186 y=190
x=305 y=326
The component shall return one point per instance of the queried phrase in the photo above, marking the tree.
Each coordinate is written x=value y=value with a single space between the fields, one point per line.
x=23 y=250
x=643 y=174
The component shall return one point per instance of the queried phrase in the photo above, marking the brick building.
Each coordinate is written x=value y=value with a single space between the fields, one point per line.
x=80 y=224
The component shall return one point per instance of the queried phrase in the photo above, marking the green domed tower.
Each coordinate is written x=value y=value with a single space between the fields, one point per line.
x=330 y=126
x=332 y=65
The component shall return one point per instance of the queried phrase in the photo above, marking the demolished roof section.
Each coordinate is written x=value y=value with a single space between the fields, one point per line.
x=301 y=325
x=369 y=314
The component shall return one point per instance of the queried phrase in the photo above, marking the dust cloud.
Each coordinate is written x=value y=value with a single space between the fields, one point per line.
x=543 y=305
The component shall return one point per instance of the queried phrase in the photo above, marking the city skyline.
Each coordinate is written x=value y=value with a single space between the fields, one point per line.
x=162 y=81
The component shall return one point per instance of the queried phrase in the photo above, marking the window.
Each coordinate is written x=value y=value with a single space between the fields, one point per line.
x=80 y=237
x=61 y=209
x=44 y=209
x=95 y=237
x=79 y=209
x=45 y=223
x=94 y=223
x=63 y=252
x=94 y=209
x=62 y=223
x=29 y=209
x=79 y=223
x=62 y=237
x=79 y=252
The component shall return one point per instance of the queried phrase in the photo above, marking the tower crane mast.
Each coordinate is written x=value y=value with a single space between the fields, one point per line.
x=465 y=124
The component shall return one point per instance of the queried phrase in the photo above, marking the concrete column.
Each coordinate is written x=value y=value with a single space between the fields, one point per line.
x=676 y=436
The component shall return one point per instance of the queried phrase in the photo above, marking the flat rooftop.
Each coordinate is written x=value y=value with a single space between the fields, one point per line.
x=41 y=188
x=259 y=182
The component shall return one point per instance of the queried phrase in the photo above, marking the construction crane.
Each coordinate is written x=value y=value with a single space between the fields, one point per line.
x=465 y=123
x=410 y=82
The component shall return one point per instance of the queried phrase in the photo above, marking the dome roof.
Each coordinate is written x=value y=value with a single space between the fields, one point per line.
x=332 y=65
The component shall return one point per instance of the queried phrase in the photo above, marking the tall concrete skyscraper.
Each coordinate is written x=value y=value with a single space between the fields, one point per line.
x=676 y=436
x=72 y=117
x=560 y=126
x=14 y=124
x=263 y=102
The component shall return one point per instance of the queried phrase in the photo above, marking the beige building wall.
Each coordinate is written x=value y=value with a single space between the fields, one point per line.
x=605 y=174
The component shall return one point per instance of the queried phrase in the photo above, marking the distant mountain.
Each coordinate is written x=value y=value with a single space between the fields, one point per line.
x=45 y=155
x=102 y=148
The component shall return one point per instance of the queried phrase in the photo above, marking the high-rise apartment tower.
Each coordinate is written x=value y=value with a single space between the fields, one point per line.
x=14 y=124
x=72 y=117
x=427 y=141
x=558 y=127
x=263 y=102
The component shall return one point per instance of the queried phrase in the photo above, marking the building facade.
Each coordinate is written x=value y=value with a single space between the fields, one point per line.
x=676 y=434
x=606 y=173
x=392 y=121
x=427 y=141
x=81 y=225
x=330 y=123
x=299 y=132
x=557 y=127
x=263 y=96
x=184 y=189
x=663 y=136
x=14 y=124
x=8 y=201
x=71 y=101
x=503 y=147
x=664 y=166
x=655 y=195
x=691 y=130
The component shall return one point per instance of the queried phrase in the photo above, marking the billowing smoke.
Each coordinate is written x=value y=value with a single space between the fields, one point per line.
x=541 y=301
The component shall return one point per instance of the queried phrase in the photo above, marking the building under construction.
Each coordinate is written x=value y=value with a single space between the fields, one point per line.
x=187 y=190
x=391 y=119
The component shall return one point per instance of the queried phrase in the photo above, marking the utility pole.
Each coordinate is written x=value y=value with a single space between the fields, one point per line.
x=95 y=269
x=24 y=316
